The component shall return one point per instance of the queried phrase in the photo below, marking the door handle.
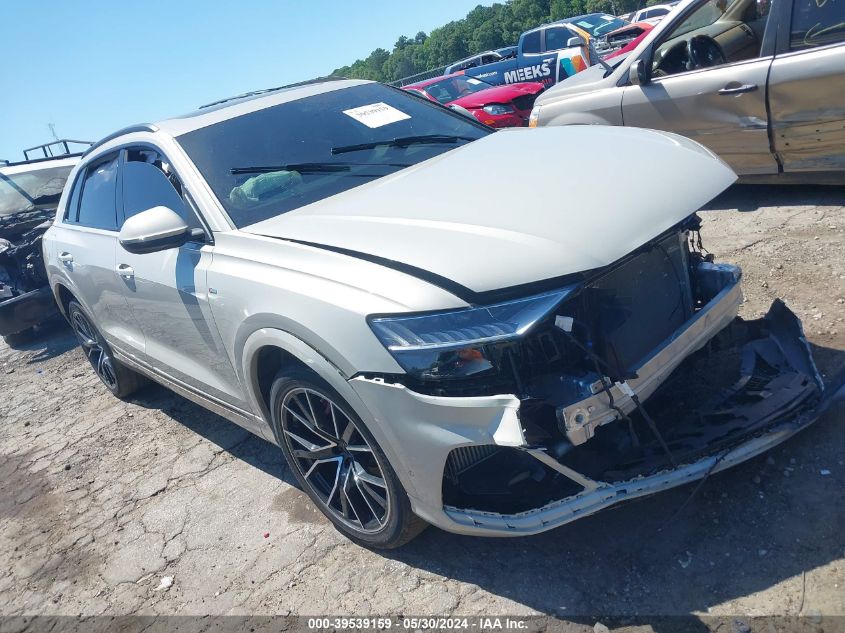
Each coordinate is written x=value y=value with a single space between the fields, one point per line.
x=65 y=257
x=125 y=271
x=735 y=90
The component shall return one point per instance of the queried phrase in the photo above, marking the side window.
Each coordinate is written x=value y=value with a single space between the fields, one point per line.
x=557 y=37
x=531 y=42
x=97 y=207
x=688 y=47
x=72 y=209
x=148 y=181
x=816 y=23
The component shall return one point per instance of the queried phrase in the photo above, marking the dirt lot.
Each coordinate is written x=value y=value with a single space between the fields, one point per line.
x=101 y=499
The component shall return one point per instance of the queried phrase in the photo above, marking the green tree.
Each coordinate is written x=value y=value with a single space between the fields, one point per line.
x=483 y=28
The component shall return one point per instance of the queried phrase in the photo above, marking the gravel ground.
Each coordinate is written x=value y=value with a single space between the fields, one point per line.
x=101 y=499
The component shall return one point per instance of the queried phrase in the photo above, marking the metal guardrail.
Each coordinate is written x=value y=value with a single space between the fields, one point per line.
x=428 y=74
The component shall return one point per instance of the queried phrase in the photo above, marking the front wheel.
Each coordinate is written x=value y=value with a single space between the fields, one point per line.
x=339 y=464
x=118 y=378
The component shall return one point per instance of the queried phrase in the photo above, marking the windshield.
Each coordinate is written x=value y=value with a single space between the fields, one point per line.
x=37 y=189
x=451 y=88
x=704 y=16
x=598 y=24
x=272 y=161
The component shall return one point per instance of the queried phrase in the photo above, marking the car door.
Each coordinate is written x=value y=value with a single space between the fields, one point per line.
x=167 y=290
x=807 y=88
x=84 y=242
x=722 y=106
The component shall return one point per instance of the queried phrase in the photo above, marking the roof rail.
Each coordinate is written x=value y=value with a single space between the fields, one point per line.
x=255 y=93
x=143 y=127
x=48 y=150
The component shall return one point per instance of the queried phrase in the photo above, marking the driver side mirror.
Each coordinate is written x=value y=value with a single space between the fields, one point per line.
x=153 y=230
x=575 y=41
x=637 y=74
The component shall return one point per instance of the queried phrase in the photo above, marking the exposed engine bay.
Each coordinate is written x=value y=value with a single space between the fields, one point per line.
x=21 y=259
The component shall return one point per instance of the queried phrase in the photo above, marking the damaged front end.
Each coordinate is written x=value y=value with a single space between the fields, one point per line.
x=29 y=193
x=641 y=378
x=25 y=296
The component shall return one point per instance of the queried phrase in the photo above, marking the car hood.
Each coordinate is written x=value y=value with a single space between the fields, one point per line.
x=586 y=80
x=517 y=206
x=498 y=94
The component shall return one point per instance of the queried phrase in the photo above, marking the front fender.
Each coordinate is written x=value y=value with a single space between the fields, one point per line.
x=296 y=347
x=329 y=372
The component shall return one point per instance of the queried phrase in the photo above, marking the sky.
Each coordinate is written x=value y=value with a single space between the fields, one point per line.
x=91 y=67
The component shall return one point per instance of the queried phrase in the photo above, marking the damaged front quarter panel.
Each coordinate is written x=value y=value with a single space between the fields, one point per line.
x=504 y=465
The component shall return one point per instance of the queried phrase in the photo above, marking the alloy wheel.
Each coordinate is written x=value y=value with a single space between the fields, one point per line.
x=94 y=349
x=335 y=459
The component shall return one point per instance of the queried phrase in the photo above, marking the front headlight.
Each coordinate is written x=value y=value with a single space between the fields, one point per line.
x=458 y=343
x=534 y=117
x=497 y=109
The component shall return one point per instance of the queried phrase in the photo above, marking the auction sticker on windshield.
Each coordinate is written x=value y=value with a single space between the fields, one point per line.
x=376 y=114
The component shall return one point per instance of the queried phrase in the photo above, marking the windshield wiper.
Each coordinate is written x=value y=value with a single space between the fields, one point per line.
x=403 y=141
x=309 y=168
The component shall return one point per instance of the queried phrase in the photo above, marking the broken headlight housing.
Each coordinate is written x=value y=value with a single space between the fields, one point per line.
x=457 y=344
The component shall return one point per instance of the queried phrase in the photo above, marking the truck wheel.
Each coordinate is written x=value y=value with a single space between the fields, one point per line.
x=338 y=463
x=118 y=378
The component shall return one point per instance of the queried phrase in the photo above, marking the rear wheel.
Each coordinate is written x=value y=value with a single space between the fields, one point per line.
x=118 y=378
x=339 y=464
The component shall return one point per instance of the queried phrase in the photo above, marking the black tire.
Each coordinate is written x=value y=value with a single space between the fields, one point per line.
x=353 y=462
x=117 y=378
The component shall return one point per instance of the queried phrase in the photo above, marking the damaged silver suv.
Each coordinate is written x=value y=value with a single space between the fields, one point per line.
x=360 y=277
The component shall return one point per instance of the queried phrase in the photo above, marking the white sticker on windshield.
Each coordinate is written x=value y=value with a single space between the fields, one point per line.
x=376 y=114
x=585 y=25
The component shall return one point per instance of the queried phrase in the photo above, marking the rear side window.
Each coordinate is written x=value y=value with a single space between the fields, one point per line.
x=73 y=205
x=149 y=181
x=97 y=208
x=816 y=23
x=531 y=42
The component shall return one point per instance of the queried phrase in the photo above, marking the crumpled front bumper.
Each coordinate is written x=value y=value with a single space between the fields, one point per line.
x=22 y=312
x=422 y=430
x=605 y=495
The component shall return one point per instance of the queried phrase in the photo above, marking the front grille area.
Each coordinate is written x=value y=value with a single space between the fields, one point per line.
x=524 y=102
x=634 y=307
x=621 y=314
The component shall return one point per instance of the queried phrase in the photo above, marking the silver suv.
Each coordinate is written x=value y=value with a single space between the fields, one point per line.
x=373 y=283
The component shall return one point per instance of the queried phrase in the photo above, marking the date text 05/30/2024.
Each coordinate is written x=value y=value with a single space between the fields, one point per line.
x=417 y=623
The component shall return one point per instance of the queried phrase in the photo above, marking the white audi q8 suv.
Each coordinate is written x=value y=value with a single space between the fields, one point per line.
x=436 y=323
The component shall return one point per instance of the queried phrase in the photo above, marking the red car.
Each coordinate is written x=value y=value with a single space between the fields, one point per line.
x=629 y=36
x=497 y=106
